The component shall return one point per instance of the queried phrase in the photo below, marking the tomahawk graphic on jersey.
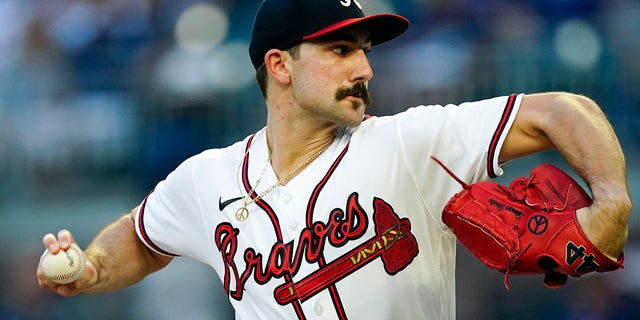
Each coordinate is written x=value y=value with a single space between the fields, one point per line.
x=393 y=243
x=364 y=214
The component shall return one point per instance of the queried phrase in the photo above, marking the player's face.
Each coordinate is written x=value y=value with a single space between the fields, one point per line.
x=330 y=79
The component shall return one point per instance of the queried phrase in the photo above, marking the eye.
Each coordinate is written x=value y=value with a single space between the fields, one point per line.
x=341 y=49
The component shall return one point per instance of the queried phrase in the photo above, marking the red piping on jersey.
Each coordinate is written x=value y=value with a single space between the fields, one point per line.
x=506 y=114
x=272 y=216
x=333 y=291
x=321 y=184
x=276 y=225
x=143 y=232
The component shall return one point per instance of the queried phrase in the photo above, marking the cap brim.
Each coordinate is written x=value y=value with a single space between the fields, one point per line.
x=383 y=27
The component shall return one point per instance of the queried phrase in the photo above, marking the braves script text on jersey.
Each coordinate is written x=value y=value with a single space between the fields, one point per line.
x=357 y=234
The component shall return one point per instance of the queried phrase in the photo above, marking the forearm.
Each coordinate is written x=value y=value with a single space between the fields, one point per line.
x=120 y=258
x=579 y=130
x=590 y=146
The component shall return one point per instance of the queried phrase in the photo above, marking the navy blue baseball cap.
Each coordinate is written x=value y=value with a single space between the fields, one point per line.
x=282 y=24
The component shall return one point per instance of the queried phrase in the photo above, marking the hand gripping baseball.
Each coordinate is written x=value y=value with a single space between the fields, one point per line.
x=63 y=267
x=529 y=227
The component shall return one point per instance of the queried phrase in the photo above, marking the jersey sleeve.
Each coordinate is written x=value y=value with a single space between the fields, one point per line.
x=467 y=137
x=169 y=220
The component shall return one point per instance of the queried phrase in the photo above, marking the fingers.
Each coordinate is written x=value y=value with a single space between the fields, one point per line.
x=65 y=238
x=45 y=283
x=554 y=280
x=554 y=276
x=51 y=243
x=54 y=244
x=89 y=276
x=62 y=242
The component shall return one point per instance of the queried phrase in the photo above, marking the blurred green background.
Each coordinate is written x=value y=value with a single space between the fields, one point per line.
x=100 y=99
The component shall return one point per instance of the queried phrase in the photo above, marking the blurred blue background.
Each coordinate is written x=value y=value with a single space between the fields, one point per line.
x=100 y=99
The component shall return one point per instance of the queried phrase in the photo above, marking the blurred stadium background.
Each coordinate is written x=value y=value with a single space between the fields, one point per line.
x=100 y=99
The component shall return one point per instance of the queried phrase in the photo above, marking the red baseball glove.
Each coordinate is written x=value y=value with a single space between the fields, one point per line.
x=529 y=227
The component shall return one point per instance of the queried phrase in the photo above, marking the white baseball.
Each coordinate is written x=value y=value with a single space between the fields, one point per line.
x=64 y=267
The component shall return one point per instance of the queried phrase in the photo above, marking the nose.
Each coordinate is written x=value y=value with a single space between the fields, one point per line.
x=363 y=70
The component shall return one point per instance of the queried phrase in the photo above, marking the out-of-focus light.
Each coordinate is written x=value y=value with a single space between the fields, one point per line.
x=516 y=22
x=15 y=15
x=436 y=61
x=377 y=6
x=201 y=27
x=228 y=68
x=577 y=45
x=78 y=26
x=183 y=73
x=180 y=72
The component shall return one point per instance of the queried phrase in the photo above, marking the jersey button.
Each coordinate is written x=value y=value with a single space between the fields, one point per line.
x=286 y=199
x=318 y=309
x=293 y=226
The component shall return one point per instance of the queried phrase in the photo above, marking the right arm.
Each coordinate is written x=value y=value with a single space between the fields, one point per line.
x=114 y=260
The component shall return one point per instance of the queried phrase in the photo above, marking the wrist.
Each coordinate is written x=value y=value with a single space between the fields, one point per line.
x=92 y=271
x=605 y=223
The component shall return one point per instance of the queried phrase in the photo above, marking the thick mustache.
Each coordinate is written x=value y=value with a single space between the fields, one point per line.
x=358 y=90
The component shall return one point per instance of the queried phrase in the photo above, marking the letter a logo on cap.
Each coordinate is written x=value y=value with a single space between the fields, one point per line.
x=347 y=3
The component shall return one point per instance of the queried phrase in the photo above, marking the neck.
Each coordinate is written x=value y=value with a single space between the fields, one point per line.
x=291 y=151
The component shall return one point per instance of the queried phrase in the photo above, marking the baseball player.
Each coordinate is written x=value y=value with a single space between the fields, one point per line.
x=328 y=213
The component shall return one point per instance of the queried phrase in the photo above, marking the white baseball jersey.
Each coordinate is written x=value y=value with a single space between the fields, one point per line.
x=357 y=234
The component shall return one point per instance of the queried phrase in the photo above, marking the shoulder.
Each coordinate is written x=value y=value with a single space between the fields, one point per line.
x=445 y=110
x=233 y=152
x=215 y=158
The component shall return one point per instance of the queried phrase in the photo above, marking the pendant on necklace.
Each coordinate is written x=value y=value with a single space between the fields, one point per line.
x=242 y=213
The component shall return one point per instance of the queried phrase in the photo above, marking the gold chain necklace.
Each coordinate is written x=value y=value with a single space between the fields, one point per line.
x=243 y=213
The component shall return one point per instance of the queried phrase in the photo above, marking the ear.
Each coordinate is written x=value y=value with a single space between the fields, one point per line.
x=274 y=61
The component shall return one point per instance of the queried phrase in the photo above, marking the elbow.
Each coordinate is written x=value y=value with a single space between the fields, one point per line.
x=574 y=115
x=580 y=104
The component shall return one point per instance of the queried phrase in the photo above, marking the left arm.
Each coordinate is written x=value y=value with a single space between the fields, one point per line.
x=577 y=127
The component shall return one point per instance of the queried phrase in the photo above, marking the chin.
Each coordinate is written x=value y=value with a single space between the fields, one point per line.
x=354 y=122
x=351 y=116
